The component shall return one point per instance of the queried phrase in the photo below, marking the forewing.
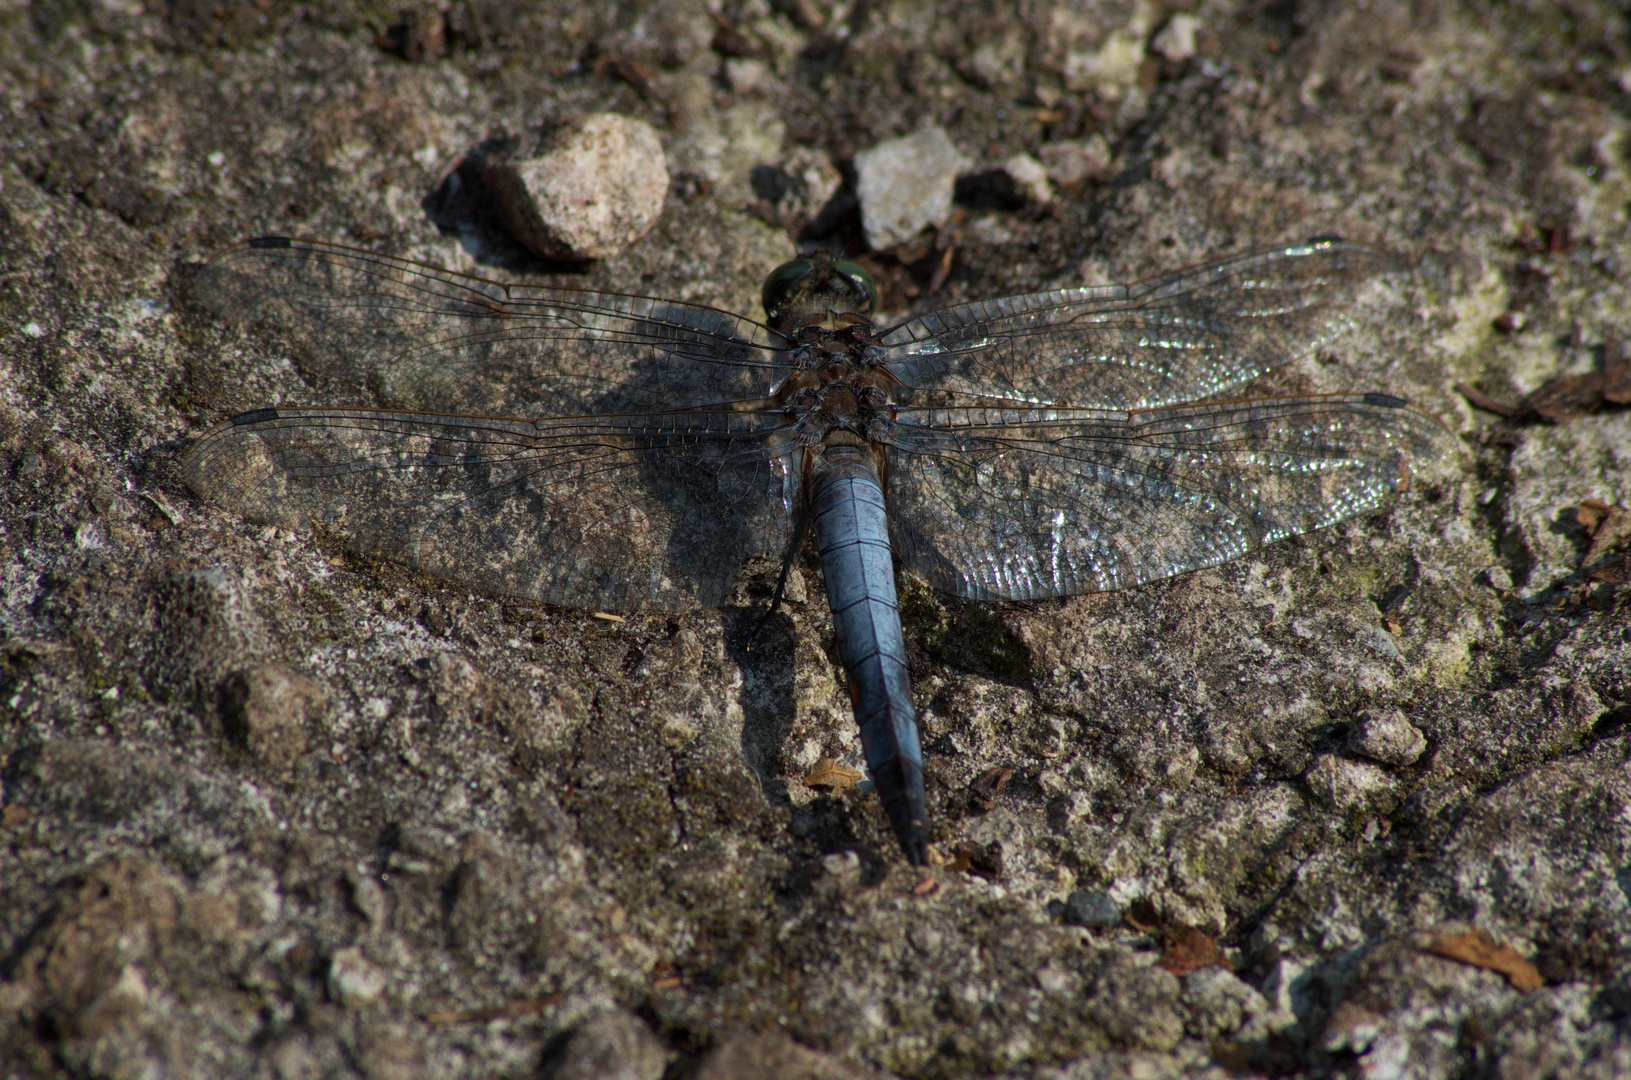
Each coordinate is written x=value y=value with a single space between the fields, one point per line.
x=619 y=513
x=1025 y=503
x=424 y=338
x=1195 y=334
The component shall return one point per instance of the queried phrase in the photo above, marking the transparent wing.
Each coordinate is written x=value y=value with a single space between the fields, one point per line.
x=1025 y=503
x=1195 y=334
x=618 y=513
x=424 y=338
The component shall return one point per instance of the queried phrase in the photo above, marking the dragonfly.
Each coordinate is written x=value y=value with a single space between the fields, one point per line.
x=621 y=453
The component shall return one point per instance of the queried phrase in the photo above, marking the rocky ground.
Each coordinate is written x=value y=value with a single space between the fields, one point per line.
x=1359 y=805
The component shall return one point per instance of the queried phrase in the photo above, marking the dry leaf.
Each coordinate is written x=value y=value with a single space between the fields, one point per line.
x=1480 y=950
x=1613 y=573
x=1191 y=950
x=1480 y=400
x=1608 y=526
x=664 y=976
x=827 y=773
x=983 y=791
x=1566 y=397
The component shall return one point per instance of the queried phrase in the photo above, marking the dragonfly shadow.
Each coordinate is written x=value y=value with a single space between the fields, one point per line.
x=763 y=649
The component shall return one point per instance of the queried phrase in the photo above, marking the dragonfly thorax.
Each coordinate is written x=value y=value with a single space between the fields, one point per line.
x=840 y=405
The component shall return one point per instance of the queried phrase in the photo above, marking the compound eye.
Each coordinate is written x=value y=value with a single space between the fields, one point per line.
x=782 y=284
x=861 y=280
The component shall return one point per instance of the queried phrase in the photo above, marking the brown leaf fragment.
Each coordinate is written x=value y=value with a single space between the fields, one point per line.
x=664 y=976
x=1190 y=950
x=15 y=816
x=1480 y=400
x=1480 y=950
x=983 y=790
x=827 y=773
x=510 y=1010
x=1566 y=397
x=1613 y=573
x=1608 y=526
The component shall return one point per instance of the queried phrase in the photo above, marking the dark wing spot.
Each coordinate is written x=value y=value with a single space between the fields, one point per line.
x=1386 y=401
x=271 y=242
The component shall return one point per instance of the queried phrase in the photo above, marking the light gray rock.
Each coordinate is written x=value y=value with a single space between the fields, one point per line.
x=1073 y=162
x=1388 y=737
x=1175 y=42
x=905 y=185
x=1030 y=177
x=1219 y=1002
x=266 y=709
x=591 y=188
x=353 y=979
x=612 y=1046
x=1344 y=784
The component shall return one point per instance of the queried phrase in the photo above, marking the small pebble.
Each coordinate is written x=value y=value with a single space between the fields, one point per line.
x=1073 y=162
x=1030 y=177
x=612 y=1046
x=590 y=189
x=1094 y=910
x=905 y=185
x=353 y=979
x=1499 y=579
x=1176 y=41
x=1388 y=737
x=266 y=708
x=842 y=864
x=1343 y=784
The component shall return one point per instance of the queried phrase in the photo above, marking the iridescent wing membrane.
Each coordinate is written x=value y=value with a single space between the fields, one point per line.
x=1191 y=335
x=653 y=471
x=1039 y=452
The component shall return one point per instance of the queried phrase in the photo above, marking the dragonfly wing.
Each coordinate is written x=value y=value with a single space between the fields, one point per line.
x=622 y=513
x=1196 y=334
x=1027 y=503
x=425 y=338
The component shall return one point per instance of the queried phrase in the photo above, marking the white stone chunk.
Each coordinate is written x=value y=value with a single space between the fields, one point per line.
x=1387 y=737
x=1073 y=162
x=1176 y=41
x=1029 y=176
x=353 y=979
x=596 y=187
x=905 y=185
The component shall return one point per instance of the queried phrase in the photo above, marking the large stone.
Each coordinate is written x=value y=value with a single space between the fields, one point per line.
x=588 y=189
x=905 y=185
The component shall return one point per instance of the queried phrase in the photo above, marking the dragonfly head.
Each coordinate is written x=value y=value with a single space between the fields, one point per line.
x=817 y=284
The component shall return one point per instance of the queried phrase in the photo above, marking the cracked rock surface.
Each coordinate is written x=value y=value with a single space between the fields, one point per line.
x=271 y=810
